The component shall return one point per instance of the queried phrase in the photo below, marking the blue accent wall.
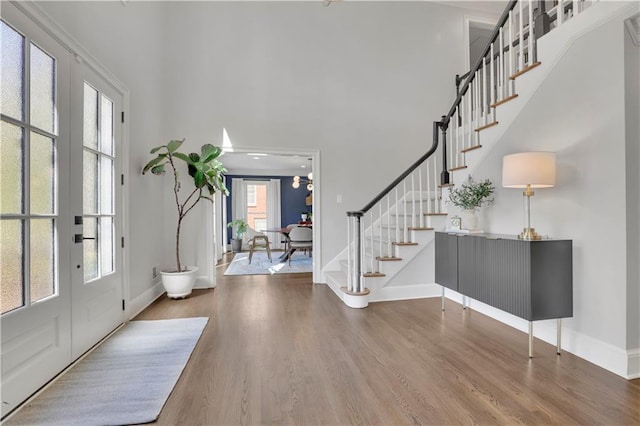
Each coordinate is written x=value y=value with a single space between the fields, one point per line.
x=292 y=201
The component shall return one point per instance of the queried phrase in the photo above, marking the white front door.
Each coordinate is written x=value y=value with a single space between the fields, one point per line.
x=59 y=183
x=97 y=303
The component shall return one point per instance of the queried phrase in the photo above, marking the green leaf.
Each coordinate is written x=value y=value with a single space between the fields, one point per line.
x=174 y=145
x=153 y=162
x=157 y=148
x=158 y=170
x=182 y=156
x=209 y=153
x=199 y=179
x=194 y=157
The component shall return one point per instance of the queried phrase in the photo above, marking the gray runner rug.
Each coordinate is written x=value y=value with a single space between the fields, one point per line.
x=126 y=380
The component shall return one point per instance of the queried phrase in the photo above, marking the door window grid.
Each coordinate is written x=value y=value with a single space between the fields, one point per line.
x=98 y=185
x=29 y=169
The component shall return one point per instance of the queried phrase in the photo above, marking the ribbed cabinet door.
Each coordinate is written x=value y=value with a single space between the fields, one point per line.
x=447 y=260
x=470 y=261
x=506 y=276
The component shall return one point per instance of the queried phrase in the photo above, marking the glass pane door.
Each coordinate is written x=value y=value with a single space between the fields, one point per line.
x=35 y=299
x=98 y=185
x=28 y=176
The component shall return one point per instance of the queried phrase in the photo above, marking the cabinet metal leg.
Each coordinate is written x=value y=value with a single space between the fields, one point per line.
x=530 y=339
x=464 y=302
x=442 y=299
x=559 y=345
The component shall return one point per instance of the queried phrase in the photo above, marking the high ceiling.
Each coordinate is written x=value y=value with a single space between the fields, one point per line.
x=258 y=163
x=291 y=165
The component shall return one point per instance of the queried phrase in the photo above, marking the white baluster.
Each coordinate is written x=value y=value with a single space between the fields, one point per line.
x=371 y=243
x=397 y=216
x=510 y=71
x=349 y=248
x=521 y=40
x=576 y=7
x=421 y=220
x=404 y=209
x=485 y=90
x=380 y=233
x=477 y=102
x=531 y=55
x=413 y=201
x=501 y=76
x=559 y=13
x=360 y=282
x=428 y=186
x=469 y=117
x=492 y=82
x=435 y=181
x=388 y=224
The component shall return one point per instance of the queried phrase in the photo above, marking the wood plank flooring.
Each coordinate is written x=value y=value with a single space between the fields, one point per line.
x=281 y=350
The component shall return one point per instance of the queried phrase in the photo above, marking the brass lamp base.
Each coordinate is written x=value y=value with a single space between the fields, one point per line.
x=529 y=234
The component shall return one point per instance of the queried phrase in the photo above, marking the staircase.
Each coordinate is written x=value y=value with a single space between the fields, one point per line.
x=390 y=253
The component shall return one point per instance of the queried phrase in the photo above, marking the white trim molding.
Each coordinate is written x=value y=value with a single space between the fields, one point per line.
x=633 y=364
x=633 y=26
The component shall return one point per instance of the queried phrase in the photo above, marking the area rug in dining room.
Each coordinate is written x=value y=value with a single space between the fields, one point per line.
x=260 y=264
x=126 y=380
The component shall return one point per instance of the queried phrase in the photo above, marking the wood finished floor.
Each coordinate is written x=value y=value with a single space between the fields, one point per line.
x=281 y=350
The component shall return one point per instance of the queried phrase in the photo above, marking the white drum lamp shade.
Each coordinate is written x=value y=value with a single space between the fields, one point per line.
x=534 y=169
x=529 y=170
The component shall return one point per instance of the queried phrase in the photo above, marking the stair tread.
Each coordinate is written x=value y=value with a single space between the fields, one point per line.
x=486 y=126
x=398 y=243
x=373 y=275
x=524 y=70
x=421 y=229
x=436 y=214
x=388 y=259
x=471 y=148
x=446 y=185
x=457 y=168
x=503 y=101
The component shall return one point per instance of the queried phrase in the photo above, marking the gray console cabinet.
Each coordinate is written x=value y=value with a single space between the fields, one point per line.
x=530 y=279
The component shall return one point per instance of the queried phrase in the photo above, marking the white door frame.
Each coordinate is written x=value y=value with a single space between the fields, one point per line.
x=316 y=203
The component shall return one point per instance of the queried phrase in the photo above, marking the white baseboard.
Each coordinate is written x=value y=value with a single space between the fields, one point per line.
x=141 y=302
x=619 y=361
x=419 y=291
x=633 y=364
x=203 y=282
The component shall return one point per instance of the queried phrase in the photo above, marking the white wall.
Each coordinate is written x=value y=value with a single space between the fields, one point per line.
x=578 y=112
x=632 y=130
x=360 y=82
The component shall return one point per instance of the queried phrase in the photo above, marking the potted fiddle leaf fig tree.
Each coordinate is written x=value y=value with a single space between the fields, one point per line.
x=206 y=178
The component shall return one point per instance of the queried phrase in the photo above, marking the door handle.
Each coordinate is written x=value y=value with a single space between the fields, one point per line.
x=78 y=238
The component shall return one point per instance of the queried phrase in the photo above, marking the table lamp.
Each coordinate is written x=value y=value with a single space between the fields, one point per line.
x=529 y=170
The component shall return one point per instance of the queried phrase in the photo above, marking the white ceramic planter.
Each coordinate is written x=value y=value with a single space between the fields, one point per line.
x=179 y=284
x=469 y=220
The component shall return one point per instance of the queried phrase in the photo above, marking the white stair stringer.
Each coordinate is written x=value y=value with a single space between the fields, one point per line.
x=409 y=278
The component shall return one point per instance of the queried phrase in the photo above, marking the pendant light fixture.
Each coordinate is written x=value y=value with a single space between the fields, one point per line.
x=297 y=181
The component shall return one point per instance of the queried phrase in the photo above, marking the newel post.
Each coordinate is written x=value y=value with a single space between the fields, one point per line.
x=443 y=125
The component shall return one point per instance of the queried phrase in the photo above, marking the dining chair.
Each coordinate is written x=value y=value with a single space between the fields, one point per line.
x=259 y=240
x=300 y=237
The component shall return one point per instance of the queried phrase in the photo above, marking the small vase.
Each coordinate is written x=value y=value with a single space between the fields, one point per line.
x=469 y=220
